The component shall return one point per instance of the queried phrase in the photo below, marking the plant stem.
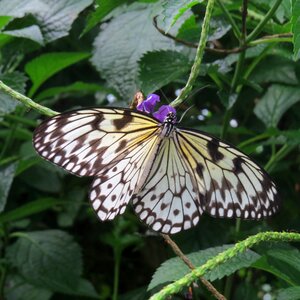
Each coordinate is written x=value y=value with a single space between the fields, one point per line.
x=27 y=101
x=117 y=257
x=199 y=55
x=185 y=259
x=219 y=259
x=256 y=31
x=235 y=28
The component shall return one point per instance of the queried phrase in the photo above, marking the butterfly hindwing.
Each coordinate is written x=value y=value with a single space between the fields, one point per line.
x=234 y=185
x=111 y=192
x=168 y=201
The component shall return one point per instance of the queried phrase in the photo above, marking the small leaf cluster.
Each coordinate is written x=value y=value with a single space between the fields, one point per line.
x=67 y=54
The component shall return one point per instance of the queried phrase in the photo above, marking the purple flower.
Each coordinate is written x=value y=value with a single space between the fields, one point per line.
x=148 y=104
x=163 y=112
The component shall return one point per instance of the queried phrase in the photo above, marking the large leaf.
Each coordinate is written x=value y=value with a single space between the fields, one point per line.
x=74 y=88
x=103 y=8
x=15 y=80
x=48 y=259
x=275 y=69
x=54 y=17
x=174 y=268
x=296 y=27
x=160 y=68
x=32 y=32
x=6 y=178
x=121 y=44
x=46 y=65
x=283 y=263
x=173 y=10
x=292 y=293
x=18 y=288
x=275 y=102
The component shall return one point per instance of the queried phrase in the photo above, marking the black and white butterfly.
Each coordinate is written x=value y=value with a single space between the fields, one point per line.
x=171 y=174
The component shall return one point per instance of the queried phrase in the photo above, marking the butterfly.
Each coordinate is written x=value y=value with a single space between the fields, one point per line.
x=171 y=174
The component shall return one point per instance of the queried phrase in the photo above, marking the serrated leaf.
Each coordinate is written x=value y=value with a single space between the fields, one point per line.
x=283 y=263
x=173 y=10
x=121 y=44
x=17 y=288
x=46 y=65
x=75 y=87
x=291 y=293
x=54 y=17
x=6 y=178
x=296 y=27
x=275 y=69
x=31 y=32
x=48 y=259
x=4 y=20
x=29 y=209
x=173 y=269
x=104 y=7
x=16 y=80
x=275 y=102
x=160 y=68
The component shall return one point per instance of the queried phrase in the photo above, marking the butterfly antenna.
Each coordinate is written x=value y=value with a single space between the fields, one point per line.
x=164 y=95
x=184 y=113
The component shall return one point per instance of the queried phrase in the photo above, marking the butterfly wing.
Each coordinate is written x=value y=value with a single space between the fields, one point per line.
x=87 y=142
x=115 y=145
x=111 y=192
x=169 y=201
x=233 y=185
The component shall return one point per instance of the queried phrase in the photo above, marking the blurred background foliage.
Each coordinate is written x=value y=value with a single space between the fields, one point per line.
x=67 y=54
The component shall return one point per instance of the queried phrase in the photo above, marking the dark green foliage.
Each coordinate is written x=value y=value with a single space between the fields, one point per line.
x=82 y=53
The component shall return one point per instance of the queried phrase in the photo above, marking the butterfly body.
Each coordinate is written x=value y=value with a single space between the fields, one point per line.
x=171 y=174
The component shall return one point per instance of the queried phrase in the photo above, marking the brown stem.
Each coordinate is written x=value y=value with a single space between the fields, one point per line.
x=180 y=254
x=217 y=50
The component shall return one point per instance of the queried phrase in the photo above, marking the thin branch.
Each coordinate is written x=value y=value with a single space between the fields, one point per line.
x=198 y=58
x=221 y=258
x=184 y=258
x=256 y=31
x=244 y=22
x=27 y=101
x=283 y=37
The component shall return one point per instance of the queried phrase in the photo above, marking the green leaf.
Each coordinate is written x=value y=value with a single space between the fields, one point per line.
x=121 y=44
x=174 y=268
x=55 y=18
x=275 y=102
x=46 y=65
x=283 y=263
x=48 y=259
x=18 y=288
x=104 y=7
x=74 y=200
x=275 y=69
x=29 y=209
x=75 y=87
x=296 y=27
x=6 y=178
x=291 y=293
x=46 y=178
x=4 y=20
x=32 y=32
x=16 y=80
x=160 y=68
x=173 y=10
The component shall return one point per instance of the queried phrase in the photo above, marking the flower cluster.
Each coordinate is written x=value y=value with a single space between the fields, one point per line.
x=149 y=104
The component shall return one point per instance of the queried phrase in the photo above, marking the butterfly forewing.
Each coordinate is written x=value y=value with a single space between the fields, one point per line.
x=86 y=142
x=234 y=185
